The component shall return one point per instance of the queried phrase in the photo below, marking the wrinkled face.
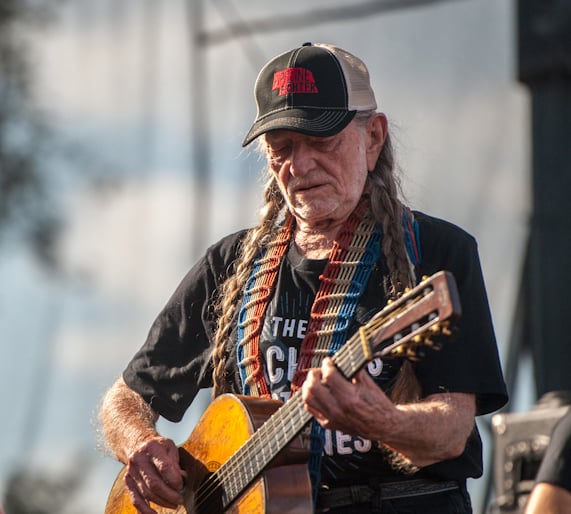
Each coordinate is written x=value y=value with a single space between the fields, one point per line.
x=322 y=178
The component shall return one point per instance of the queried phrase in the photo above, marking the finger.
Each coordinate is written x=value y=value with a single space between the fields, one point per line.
x=314 y=387
x=332 y=378
x=153 y=488
x=363 y=378
x=161 y=492
x=150 y=469
x=137 y=499
x=168 y=466
x=317 y=397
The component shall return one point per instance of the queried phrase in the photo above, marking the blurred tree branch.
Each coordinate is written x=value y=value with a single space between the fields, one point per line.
x=28 y=208
x=23 y=139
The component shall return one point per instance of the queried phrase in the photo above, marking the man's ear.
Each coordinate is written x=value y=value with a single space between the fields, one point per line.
x=377 y=130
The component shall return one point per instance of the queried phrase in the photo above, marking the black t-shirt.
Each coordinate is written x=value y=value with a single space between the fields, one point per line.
x=556 y=463
x=174 y=362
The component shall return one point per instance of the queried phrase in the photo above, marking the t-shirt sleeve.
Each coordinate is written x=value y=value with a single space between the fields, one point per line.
x=555 y=466
x=174 y=362
x=469 y=361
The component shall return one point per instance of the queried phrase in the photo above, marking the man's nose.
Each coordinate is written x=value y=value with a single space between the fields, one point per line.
x=301 y=159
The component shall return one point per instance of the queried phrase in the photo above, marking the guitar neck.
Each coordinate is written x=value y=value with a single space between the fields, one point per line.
x=276 y=433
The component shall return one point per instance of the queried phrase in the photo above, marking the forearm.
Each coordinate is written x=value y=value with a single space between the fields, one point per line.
x=424 y=432
x=431 y=430
x=127 y=421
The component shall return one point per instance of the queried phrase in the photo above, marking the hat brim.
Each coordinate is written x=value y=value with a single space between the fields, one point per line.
x=318 y=122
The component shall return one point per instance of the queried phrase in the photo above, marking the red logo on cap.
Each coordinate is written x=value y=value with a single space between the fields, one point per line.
x=294 y=80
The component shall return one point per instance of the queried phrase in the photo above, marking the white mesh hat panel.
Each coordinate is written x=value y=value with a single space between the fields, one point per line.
x=361 y=95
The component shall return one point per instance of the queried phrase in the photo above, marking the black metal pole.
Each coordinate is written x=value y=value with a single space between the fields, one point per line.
x=545 y=67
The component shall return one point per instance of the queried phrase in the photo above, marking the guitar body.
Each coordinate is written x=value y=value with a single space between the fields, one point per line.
x=230 y=420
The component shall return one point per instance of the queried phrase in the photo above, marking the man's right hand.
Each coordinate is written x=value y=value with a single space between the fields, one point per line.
x=154 y=475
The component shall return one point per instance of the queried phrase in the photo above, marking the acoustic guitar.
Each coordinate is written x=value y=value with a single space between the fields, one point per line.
x=248 y=455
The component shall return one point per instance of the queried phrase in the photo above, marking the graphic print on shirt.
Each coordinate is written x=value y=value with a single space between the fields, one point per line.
x=284 y=328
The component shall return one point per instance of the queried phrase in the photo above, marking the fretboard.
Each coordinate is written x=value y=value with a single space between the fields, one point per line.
x=254 y=456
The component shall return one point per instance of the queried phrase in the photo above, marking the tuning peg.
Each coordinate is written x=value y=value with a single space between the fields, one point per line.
x=436 y=328
x=411 y=353
x=445 y=329
x=441 y=329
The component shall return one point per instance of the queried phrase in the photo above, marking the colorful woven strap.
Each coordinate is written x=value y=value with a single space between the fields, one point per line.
x=353 y=256
x=258 y=293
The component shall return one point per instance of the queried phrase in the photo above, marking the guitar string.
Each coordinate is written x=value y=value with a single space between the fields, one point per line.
x=348 y=365
x=267 y=434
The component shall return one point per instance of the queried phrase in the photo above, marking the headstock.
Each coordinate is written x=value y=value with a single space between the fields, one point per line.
x=417 y=319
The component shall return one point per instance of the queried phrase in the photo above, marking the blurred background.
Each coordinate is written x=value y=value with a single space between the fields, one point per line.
x=120 y=160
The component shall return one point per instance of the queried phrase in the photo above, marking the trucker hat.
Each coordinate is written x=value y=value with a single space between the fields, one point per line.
x=315 y=89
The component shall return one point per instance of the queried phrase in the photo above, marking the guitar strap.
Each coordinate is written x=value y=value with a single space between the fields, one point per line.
x=353 y=256
x=412 y=243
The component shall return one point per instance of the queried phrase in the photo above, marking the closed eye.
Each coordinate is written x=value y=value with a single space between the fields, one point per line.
x=325 y=144
x=278 y=155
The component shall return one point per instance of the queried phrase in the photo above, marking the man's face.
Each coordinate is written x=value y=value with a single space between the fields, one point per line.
x=322 y=178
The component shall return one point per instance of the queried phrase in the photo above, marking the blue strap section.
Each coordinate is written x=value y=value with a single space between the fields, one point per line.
x=412 y=240
x=358 y=284
x=241 y=320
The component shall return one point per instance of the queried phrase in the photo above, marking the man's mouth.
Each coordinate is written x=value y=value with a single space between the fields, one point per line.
x=306 y=187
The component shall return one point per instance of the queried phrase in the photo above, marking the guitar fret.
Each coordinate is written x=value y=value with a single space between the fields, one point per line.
x=355 y=364
x=230 y=492
x=351 y=357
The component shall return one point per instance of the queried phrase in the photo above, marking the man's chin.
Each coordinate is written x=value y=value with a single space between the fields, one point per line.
x=314 y=216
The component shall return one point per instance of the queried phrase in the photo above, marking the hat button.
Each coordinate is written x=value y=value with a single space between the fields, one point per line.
x=307 y=43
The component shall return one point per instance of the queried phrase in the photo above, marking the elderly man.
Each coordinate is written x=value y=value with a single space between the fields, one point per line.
x=265 y=311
